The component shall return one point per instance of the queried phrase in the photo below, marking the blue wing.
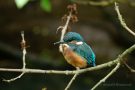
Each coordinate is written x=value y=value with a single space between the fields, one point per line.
x=85 y=51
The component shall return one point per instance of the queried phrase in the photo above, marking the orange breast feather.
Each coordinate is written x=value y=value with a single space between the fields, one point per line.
x=73 y=58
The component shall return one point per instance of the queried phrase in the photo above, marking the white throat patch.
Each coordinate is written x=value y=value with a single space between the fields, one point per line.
x=79 y=43
x=61 y=47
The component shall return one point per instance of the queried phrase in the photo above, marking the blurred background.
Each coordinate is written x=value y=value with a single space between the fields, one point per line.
x=39 y=19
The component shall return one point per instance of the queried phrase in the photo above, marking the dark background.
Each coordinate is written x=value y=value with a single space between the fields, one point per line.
x=98 y=25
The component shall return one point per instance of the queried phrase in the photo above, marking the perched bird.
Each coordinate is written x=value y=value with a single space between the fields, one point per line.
x=76 y=51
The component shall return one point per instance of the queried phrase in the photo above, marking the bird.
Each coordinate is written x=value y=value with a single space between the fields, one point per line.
x=76 y=51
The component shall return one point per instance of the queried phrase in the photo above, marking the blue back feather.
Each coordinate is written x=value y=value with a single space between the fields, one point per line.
x=84 y=51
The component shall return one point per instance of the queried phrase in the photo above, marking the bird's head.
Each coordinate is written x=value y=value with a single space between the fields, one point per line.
x=71 y=36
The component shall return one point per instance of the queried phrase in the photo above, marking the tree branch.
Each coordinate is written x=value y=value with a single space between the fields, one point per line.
x=71 y=81
x=23 y=45
x=69 y=17
x=103 y=3
x=64 y=28
x=132 y=70
x=67 y=72
x=122 y=21
x=107 y=76
x=95 y=3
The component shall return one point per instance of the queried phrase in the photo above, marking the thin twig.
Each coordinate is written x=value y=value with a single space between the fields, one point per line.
x=106 y=77
x=64 y=28
x=122 y=21
x=73 y=78
x=67 y=72
x=95 y=3
x=23 y=46
x=70 y=17
x=102 y=3
x=132 y=70
x=13 y=79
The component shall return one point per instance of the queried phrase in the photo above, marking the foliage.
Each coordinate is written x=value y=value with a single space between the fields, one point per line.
x=44 y=4
x=21 y=3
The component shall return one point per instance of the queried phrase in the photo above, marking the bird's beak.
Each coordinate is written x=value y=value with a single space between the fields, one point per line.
x=59 y=42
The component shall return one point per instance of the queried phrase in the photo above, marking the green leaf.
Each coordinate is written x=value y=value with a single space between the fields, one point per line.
x=21 y=3
x=45 y=5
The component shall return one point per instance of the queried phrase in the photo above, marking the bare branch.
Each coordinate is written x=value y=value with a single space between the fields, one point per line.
x=23 y=46
x=67 y=72
x=13 y=79
x=95 y=3
x=71 y=81
x=64 y=28
x=70 y=17
x=106 y=77
x=132 y=70
x=103 y=3
x=122 y=21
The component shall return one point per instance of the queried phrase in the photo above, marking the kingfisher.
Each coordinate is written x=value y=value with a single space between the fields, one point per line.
x=76 y=51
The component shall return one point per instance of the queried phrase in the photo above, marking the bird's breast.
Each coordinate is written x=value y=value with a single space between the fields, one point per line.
x=73 y=58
